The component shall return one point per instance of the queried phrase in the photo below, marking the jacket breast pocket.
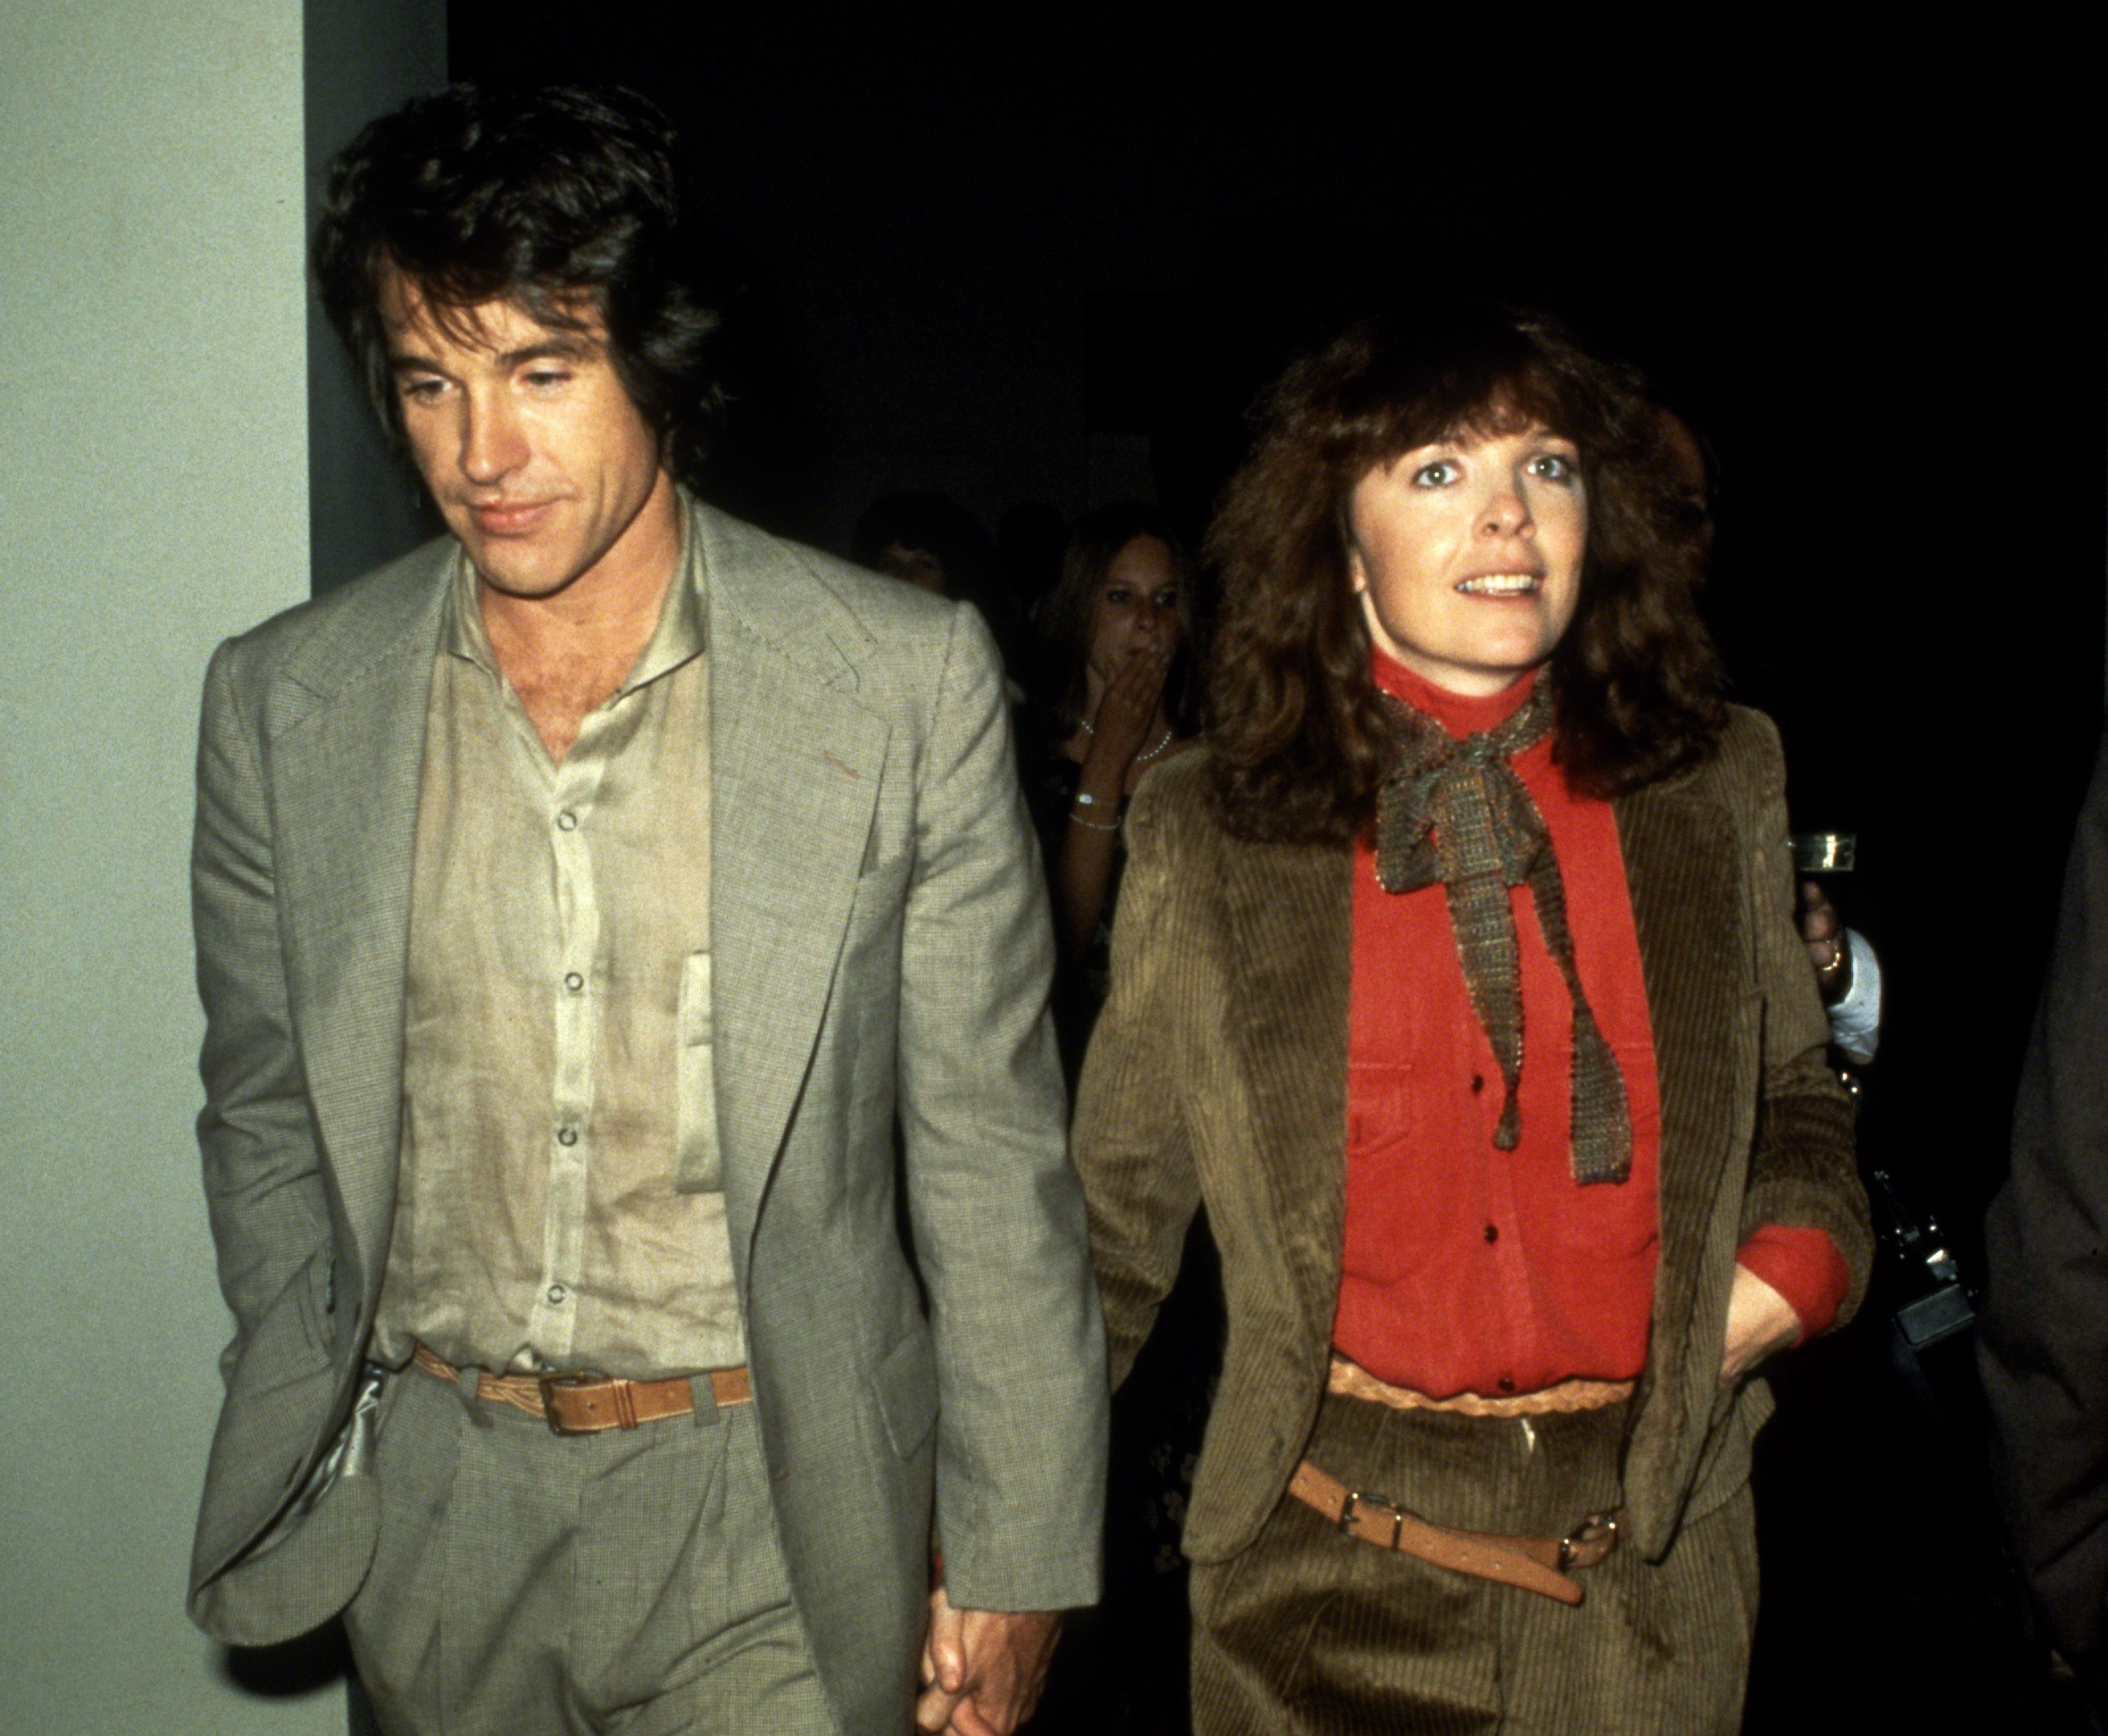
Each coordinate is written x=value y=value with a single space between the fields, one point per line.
x=905 y=1384
x=698 y=1165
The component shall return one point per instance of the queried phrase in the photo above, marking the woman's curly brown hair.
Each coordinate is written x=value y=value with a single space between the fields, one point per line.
x=1301 y=738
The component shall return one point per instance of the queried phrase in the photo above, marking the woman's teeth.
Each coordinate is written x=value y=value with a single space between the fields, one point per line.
x=1500 y=584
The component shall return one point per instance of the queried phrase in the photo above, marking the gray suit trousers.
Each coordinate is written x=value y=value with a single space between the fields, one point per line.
x=527 y=1584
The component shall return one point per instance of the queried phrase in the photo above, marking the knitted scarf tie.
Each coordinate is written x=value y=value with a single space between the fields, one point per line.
x=1456 y=811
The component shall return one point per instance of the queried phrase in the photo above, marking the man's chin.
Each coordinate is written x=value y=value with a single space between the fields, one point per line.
x=527 y=580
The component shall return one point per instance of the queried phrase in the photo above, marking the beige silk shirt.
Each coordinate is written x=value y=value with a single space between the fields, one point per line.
x=557 y=1046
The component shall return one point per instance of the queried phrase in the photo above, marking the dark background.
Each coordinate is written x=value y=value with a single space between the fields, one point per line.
x=1053 y=261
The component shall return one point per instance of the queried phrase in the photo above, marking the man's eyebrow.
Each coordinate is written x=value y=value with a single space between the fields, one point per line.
x=554 y=348
x=558 y=349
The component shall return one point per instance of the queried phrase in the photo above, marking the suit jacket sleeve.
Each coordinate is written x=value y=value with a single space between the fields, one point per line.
x=997 y=1215
x=2044 y=1347
x=1802 y=1167
x=1130 y=1137
x=263 y=1181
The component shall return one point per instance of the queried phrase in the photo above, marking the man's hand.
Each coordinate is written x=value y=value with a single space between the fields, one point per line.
x=1759 y=1321
x=982 y=1669
x=1823 y=930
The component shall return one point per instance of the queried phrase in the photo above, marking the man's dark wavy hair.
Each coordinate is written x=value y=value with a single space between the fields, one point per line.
x=1302 y=740
x=555 y=199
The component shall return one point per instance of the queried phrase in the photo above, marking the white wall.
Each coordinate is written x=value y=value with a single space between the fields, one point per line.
x=153 y=497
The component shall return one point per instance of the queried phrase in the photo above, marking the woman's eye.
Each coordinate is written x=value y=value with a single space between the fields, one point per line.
x=1120 y=596
x=1552 y=467
x=1439 y=475
x=1167 y=601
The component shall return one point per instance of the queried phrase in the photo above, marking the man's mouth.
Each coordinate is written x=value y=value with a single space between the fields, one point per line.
x=509 y=518
x=1500 y=584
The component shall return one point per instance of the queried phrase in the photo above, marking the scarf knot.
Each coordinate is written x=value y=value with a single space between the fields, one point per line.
x=1455 y=813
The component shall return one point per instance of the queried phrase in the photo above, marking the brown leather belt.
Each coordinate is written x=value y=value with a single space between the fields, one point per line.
x=1530 y=1563
x=586 y=1404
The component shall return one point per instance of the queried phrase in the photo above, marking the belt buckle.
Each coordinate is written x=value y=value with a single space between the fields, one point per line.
x=548 y=1385
x=1371 y=1500
x=1597 y=1524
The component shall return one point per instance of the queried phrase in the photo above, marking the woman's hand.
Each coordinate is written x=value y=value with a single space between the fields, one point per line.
x=1128 y=708
x=1759 y=1321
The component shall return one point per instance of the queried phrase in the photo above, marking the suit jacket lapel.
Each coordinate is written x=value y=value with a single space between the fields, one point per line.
x=346 y=754
x=795 y=764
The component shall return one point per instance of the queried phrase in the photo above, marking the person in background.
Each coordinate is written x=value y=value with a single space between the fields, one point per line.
x=1120 y=658
x=1119 y=663
x=1456 y=975
x=2044 y=1342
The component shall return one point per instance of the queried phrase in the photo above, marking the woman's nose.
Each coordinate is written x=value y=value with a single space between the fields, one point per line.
x=1505 y=511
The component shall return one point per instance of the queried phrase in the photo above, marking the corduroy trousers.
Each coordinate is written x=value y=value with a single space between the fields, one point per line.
x=1311 y=1633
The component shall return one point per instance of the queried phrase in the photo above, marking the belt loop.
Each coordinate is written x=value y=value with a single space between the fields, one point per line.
x=469 y=1384
x=705 y=1397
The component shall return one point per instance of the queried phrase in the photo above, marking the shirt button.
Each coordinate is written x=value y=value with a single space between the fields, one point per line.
x=574 y=982
x=1508 y=1383
x=1493 y=1233
x=567 y=821
x=1478 y=1083
x=557 y=1293
x=567 y=1136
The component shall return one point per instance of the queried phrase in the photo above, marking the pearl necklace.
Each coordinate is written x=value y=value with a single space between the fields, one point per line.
x=1140 y=759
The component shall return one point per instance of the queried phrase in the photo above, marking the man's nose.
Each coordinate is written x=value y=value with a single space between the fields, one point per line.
x=492 y=445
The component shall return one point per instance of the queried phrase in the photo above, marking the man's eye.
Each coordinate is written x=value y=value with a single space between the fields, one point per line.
x=422 y=391
x=545 y=377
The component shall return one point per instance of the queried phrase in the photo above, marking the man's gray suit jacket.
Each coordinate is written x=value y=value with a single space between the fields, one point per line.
x=880 y=945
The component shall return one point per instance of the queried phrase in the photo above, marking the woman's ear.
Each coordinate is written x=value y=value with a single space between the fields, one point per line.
x=1358 y=569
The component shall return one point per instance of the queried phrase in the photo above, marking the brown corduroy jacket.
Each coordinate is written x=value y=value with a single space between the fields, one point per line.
x=1218 y=1072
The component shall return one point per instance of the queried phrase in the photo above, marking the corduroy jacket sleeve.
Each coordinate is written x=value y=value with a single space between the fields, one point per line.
x=1802 y=1169
x=1130 y=1137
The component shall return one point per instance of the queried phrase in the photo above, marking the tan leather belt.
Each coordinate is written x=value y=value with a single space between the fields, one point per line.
x=1351 y=1379
x=586 y=1404
x=1531 y=1563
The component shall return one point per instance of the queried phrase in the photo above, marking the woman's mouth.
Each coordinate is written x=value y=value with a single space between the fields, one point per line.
x=1500 y=584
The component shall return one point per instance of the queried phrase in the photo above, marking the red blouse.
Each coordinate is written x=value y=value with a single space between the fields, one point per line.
x=1467 y=1268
